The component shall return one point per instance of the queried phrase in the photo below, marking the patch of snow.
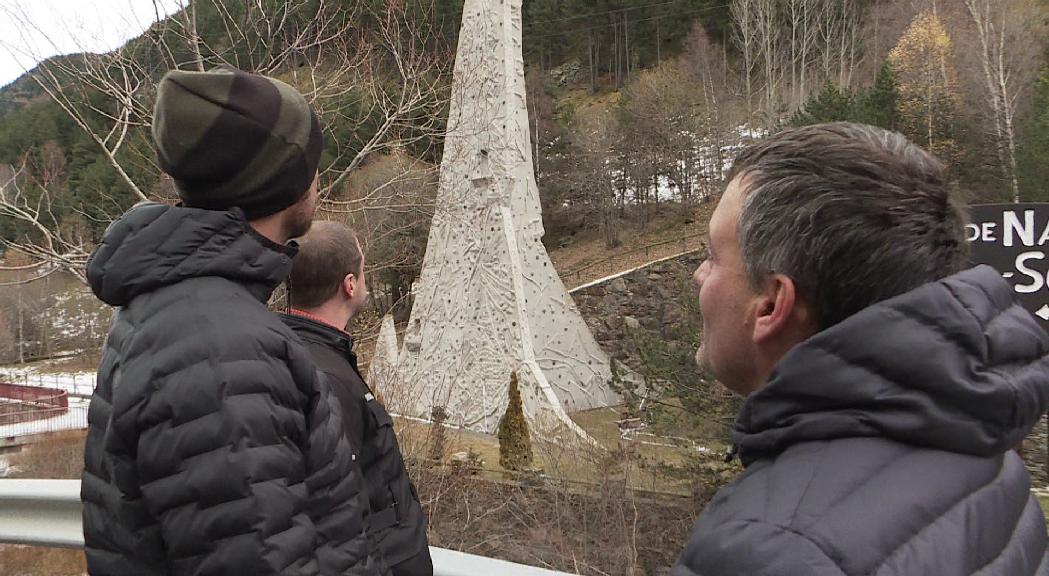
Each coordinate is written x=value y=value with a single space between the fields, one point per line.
x=79 y=383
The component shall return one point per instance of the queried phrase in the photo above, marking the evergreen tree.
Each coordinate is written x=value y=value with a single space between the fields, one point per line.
x=1034 y=150
x=515 y=447
x=830 y=105
x=879 y=103
x=438 y=443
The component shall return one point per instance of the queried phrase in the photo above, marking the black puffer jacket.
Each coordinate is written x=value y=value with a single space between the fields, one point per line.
x=214 y=446
x=881 y=446
x=397 y=523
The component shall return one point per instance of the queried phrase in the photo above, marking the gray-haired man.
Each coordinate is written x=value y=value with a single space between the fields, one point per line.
x=885 y=383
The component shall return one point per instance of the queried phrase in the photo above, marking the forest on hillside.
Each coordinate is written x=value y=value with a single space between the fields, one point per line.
x=636 y=106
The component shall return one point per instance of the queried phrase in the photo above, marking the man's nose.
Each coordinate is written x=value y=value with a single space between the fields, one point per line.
x=701 y=273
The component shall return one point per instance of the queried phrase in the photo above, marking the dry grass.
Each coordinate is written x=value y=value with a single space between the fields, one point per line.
x=59 y=455
x=591 y=510
x=32 y=561
x=561 y=457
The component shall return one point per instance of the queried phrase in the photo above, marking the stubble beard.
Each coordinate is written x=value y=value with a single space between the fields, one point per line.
x=299 y=220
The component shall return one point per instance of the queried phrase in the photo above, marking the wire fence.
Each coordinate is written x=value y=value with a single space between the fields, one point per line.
x=75 y=384
x=46 y=421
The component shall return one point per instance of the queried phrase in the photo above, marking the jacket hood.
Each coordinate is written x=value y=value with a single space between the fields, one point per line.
x=156 y=245
x=956 y=365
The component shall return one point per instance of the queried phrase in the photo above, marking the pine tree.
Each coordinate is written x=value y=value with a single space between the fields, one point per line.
x=879 y=103
x=438 y=438
x=1034 y=150
x=876 y=106
x=515 y=447
x=830 y=105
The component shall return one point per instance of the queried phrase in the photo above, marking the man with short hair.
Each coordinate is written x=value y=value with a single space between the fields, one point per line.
x=214 y=445
x=884 y=382
x=326 y=290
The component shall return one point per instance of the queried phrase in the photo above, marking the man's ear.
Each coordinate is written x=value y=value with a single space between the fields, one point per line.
x=349 y=285
x=779 y=309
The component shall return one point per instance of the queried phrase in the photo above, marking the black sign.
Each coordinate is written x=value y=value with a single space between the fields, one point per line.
x=1014 y=239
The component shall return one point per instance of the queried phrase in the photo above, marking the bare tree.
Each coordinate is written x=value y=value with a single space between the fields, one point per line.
x=599 y=171
x=372 y=71
x=718 y=111
x=48 y=241
x=802 y=17
x=794 y=46
x=745 y=34
x=1000 y=29
x=769 y=35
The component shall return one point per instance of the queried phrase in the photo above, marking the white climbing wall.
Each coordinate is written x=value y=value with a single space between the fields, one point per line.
x=488 y=301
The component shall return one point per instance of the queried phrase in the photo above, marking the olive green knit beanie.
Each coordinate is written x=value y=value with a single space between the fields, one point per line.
x=229 y=138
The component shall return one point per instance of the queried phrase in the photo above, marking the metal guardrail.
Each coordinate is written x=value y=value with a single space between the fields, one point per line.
x=41 y=513
x=49 y=513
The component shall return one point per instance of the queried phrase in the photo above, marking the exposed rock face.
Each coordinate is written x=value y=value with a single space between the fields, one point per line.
x=651 y=300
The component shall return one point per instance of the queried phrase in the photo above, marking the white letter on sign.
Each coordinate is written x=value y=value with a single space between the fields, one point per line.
x=1012 y=226
x=988 y=231
x=1037 y=281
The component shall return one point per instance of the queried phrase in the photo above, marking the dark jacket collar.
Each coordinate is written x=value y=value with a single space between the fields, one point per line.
x=155 y=245
x=319 y=332
x=955 y=365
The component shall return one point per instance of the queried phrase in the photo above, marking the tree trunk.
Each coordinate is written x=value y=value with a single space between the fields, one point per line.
x=996 y=76
x=626 y=42
x=21 y=329
x=593 y=59
x=193 y=37
x=614 y=60
x=659 y=46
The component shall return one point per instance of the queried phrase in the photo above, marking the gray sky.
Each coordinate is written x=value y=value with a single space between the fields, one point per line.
x=31 y=30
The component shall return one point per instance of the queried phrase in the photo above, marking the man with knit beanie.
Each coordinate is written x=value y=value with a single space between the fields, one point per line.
x=214 y=445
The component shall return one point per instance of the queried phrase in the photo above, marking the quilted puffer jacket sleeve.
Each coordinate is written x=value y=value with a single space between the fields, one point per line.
x=240 y=463
x=754 y=548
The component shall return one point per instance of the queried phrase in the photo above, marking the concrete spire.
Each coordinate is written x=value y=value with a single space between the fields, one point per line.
x=488 y=300
x=382 y=368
